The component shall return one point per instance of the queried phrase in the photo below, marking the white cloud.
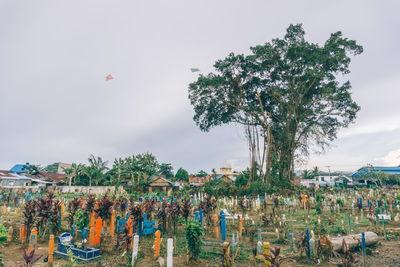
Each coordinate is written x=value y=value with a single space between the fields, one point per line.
x=392 y=158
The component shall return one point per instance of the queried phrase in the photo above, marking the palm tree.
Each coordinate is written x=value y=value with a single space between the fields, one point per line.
x=97 y=168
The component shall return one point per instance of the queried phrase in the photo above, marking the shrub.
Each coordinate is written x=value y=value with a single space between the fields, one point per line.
x=193 y=236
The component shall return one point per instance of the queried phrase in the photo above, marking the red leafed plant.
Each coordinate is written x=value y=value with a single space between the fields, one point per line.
x=73 y=206
x=174 y=210
x=162 y=214
x=54 y=216
x=104 y=209
x=30 y=258
x=29 y=215
x=43 y=209
x=90 y=204
x=149 y=206
x=186 y=208
x=136 y=211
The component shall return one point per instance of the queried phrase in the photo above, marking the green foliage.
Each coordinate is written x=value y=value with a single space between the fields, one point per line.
x=182 y=174
x=201 y=173
x=3 y=235
x=166 y=169
x=298 y=84
x=193 y=236
x=243 y=178
x=81 y=219
x=52 y=168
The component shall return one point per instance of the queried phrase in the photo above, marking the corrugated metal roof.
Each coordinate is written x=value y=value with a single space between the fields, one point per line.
x=19 y=168
x=388 y=170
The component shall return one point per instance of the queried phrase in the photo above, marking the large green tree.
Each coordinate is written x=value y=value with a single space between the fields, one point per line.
x=289 y=88
x=166 y=169
x=182 y=174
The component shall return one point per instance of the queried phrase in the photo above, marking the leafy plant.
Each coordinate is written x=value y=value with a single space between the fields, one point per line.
x=90 y=204
x=81 y=219
x=174 y=210
x=136 y=211
x=193 y=236
x=348 y=259
x=104 y=209
x=30 y=258
x=73 y=206
x=162 y=214
x=274 y=258
x=149 y=206
x=3 y=235
x=123 y=239
x=186 y=208
x=54 y=216
x=29 y=215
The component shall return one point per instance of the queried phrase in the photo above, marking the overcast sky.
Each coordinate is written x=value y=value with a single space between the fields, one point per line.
x=55 y=104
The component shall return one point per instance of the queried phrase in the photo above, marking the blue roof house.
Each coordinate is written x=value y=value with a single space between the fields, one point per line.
x=20 y=168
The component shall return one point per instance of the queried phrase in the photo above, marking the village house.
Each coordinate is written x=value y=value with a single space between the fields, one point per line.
x=200 y=181
x=160 y=183
x=9 y=179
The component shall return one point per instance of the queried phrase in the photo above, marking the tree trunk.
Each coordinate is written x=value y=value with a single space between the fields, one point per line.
x=354 y=241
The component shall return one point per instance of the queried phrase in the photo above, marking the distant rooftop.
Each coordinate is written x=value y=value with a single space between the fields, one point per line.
x=388 y=170
x=20 y=168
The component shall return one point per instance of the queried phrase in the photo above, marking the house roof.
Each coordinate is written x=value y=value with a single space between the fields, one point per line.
x=53 y=177
x=19 y=168
x=388 y=170
x=15 y=176
x=155 y=178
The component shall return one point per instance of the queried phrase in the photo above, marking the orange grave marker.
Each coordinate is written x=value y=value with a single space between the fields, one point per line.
x=62 y=210
x=10 y=232
x=129 y=225
x=112 y=223
x=240 y=226
x=22 y=233
x=32 y=239
x=51 y=248
x=157 y=243
x=91 y=233
x=216 y=232
x=99 y=223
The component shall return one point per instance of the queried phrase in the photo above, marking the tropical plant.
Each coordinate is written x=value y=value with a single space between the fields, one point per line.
x=186 y=208
x=54 y=217
x=81 y=219
x=30 y=257
x=136 y=211
x=166 y=169
x=73 y=206
x=104 y=209
x=348 y=259
x=274 y=259
x=3 y=235
x=149 y=206
x=174 y=211
x=162 y=214
x=29 y=213
x=193 y=237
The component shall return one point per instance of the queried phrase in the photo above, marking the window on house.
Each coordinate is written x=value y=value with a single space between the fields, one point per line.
x=323 y=179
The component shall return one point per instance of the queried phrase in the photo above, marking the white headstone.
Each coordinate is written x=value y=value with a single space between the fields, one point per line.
x=135 y=248
x=170 y=250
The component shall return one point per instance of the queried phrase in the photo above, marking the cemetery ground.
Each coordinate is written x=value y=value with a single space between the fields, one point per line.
x=328 y=217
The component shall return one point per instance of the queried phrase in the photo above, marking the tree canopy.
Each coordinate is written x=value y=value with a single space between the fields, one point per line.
x=290 y=89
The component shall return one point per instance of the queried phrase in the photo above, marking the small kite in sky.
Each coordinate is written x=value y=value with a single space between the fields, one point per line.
x=194 y=69
x=109 y=77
